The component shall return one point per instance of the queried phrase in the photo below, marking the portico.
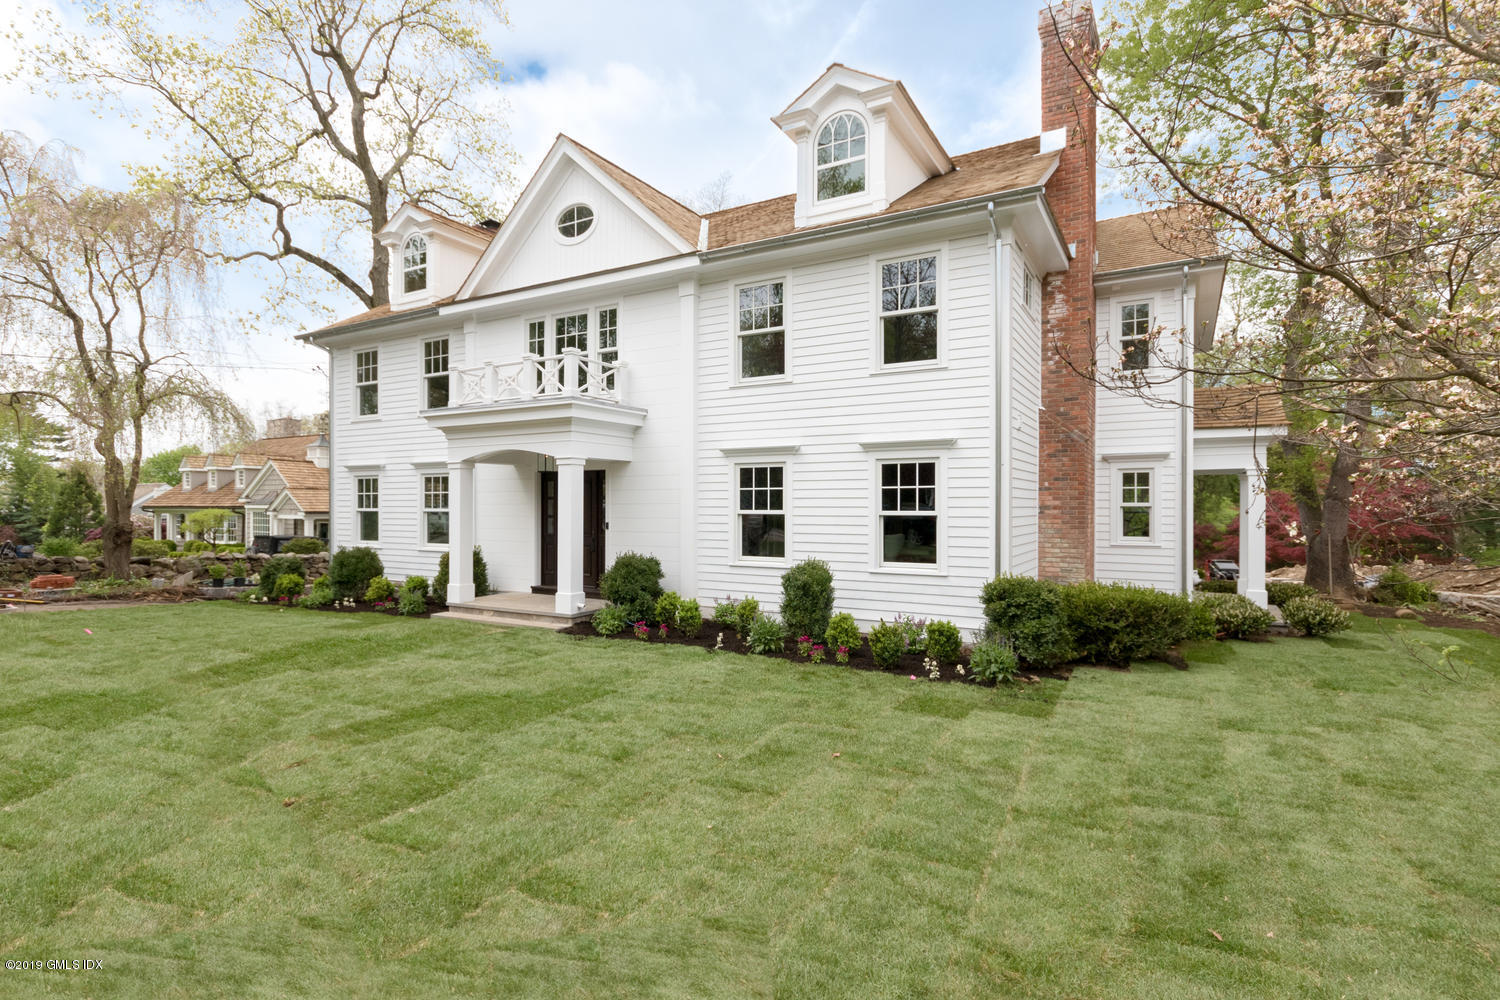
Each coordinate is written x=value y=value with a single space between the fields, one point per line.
x=1241 y=452
x=567 y=430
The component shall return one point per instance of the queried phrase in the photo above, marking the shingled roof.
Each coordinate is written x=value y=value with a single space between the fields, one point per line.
x=306 y=482
x=683 y=220
x=1228 y=406
x=1149 y=239
x=226 y=496
x=993 y=170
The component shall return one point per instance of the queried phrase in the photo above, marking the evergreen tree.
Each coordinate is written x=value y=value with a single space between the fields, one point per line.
x=28 y=486
x=77 y=508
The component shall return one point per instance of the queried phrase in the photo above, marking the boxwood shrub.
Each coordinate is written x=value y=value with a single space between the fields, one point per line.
x=1026 y=615
x=481 y=577
x=1278 y=592
x=887 y=643
x=944 y=642
x=665 y=610
x=288 y=585
x=745 y=614
x=1314 y=616
x=275 y=568
x=351 y=570
x=150 y=547
x=633 y=583
x=1235 y=616
x=304 y=546
x=807 y=599
x=689 y=617
x=1217 y=587
x=843 y=631
x=380 y=589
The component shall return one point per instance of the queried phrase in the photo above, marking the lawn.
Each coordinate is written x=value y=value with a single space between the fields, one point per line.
x=222 y=801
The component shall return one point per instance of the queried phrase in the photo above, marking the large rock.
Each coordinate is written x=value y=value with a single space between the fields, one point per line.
x=183 y=580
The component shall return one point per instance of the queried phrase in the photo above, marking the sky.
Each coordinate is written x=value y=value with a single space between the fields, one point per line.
x=675 y=92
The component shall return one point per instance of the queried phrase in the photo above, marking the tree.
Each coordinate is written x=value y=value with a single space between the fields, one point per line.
x=30 y=485
x=207 y=523
x=1348 y=155
x=163 y=466
x=303 y=127
x=713 y=196
x=77 y=507
x=91 y=289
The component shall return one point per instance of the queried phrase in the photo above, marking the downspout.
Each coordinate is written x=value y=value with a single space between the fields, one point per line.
x=1002 y=368
x=332 y=521
x=1186 y=481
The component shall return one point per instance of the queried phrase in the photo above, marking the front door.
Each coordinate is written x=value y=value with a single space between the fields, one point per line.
x=593 y=531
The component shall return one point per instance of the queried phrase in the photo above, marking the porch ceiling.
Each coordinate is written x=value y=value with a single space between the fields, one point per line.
x=573 y=427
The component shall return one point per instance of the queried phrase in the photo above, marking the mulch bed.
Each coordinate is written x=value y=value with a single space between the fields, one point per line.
x=359 y=607
x=861 y=659
x=1436 y=619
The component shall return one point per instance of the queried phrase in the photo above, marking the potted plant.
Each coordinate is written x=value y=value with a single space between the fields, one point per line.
x=240 y=571
x=216 y=573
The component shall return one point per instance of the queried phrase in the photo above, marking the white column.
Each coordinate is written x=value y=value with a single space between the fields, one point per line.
x=460 y=532
x=569 y=535
x=1253 y=536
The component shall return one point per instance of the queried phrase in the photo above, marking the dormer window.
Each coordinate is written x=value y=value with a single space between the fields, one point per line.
x=414 y=264
x=574 y=221
x=841 y=157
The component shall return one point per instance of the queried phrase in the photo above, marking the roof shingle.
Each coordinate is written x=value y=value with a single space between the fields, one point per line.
x=1228 y=406
x=1148 y=239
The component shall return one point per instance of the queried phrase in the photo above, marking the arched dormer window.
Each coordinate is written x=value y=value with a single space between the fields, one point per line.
x=841 y=156
x=414 y=264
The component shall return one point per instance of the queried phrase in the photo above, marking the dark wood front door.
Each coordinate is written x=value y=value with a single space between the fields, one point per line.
x=594 y=527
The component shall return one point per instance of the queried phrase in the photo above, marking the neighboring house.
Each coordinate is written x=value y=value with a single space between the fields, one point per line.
x=143 y=493
x=879 y=370
x=279 y=485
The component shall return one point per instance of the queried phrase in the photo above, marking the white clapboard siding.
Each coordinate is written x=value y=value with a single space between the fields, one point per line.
x=1126 y=425
x=1026 y=402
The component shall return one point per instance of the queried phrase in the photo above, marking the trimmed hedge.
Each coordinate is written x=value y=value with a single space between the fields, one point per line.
x=1217 y=587
x=1278 y=592
x=150 y=547
x=1314 y=616
x=481 y=577
x=304 y=546
x=807 y=599
x=944 y=642
x=689 y=617
x=1236 y=616
x=887 y=643
x=1117 y=623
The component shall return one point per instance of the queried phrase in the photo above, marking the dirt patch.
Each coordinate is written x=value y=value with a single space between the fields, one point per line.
x=708 y=637
x=1435 y=619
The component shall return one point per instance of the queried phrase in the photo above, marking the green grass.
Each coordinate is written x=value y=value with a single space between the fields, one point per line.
x=219 y=801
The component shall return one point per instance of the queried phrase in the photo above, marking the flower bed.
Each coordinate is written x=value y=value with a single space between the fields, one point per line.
x=345 y=607
x=720 y=639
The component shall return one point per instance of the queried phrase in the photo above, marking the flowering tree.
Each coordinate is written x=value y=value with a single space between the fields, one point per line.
x=1348 y=156
x=298 y=128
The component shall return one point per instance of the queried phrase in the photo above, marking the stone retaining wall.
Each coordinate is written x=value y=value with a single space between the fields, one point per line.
x=142 y=567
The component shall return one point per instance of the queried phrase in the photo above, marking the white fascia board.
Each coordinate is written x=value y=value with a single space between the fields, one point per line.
x=608 y=282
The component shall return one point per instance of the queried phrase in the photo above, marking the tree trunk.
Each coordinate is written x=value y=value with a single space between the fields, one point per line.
x=1329 y=567
x=119 y=532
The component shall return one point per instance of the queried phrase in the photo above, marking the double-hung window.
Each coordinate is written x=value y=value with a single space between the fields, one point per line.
x=762 y=331
x=909 y=310
x=435 y=372
x=367 y=382
x=367 y=507
x=609 y=341
x=1135 y=504
x=435 y=510
x=1135 y=336
x=762 y=511
x=908 y=512
x=260 y=523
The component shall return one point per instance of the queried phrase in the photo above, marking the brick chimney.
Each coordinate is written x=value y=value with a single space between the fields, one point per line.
x=1066 y=494
x=283 y=427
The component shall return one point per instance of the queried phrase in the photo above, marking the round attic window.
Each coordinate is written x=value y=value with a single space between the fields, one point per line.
x=574 y=221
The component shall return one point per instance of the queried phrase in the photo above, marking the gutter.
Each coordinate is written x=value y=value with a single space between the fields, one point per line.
x=1146 y=269
x=987 y=201
x=369 y=324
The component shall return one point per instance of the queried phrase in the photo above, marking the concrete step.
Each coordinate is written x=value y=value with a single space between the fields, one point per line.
x=506 y=618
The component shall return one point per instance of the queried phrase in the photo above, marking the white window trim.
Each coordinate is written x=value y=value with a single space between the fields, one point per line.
x=1117 y=333
x=354 y=397
x=868 y=157
x=877 y=337
x=549 y=328
x=786 y=332
x=736 y=556
x=213 y=479
x=940 y=503
x=422 y=371
x=358 y=527
x=422 y=476
x=1117 y=501
x=573 y=240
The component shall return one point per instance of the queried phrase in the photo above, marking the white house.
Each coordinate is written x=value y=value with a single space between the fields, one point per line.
x=881 y=370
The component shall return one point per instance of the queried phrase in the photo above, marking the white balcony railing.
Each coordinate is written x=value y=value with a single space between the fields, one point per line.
x=556 y=376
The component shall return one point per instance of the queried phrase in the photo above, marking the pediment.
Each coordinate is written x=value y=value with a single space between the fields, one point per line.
x=629 y=223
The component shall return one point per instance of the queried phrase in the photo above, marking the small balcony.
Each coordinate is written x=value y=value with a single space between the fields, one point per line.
x=536 y=378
